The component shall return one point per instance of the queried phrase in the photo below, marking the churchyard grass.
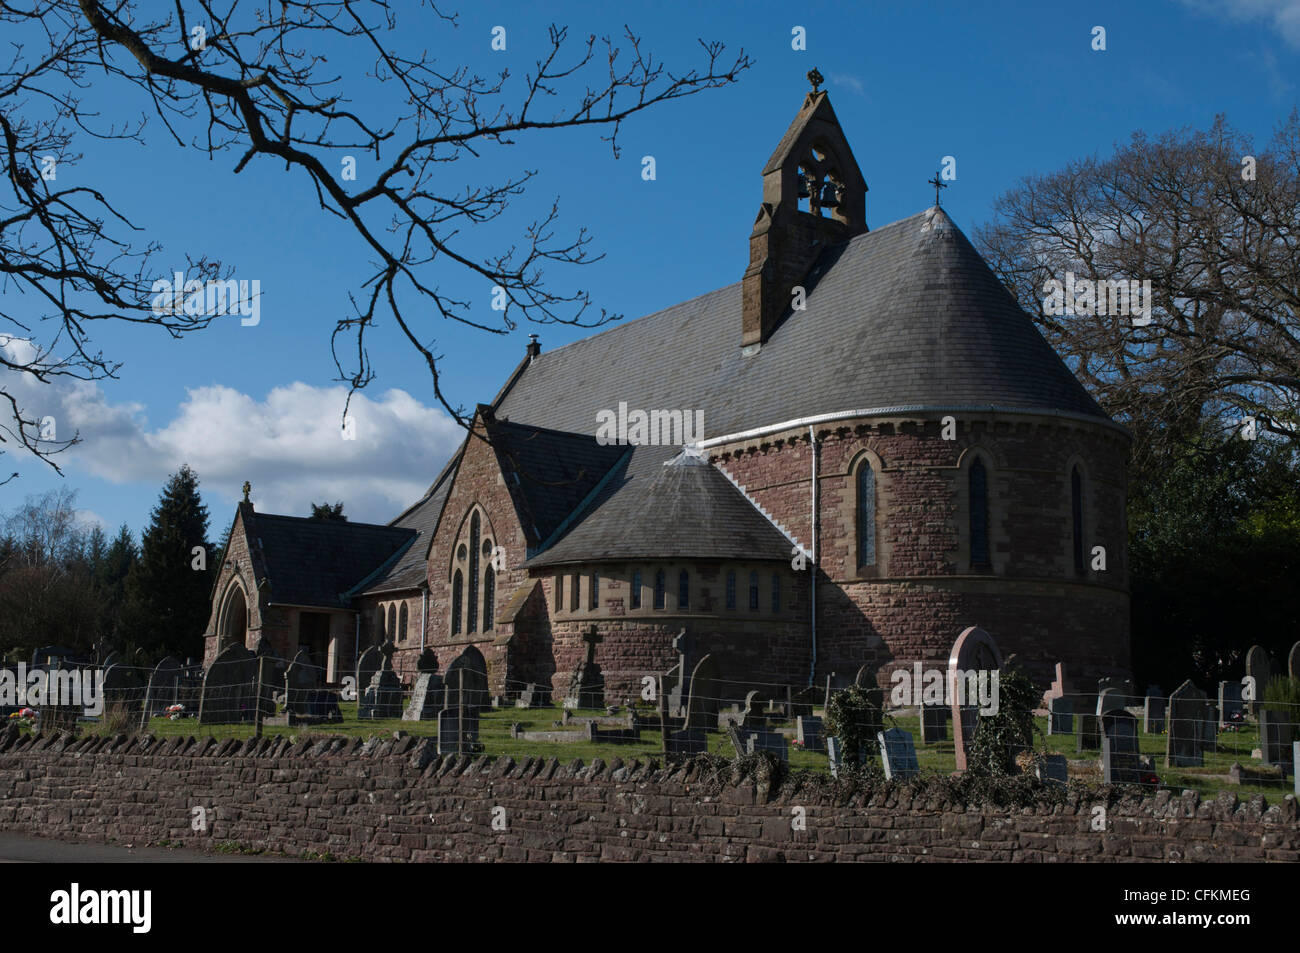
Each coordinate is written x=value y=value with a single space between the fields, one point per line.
x=495 y=735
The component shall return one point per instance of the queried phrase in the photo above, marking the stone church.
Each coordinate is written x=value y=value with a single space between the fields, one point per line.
x=890 y=452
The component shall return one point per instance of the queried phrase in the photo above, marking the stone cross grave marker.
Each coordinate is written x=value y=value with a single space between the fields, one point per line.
x=898 y=754
x=587 y=683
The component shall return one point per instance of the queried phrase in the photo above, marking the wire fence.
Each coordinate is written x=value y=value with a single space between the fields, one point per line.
x=1153 y=741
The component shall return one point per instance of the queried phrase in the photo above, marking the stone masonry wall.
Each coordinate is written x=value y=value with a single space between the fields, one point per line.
x=394 y=800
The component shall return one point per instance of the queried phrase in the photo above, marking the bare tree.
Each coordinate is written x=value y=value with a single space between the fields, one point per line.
x=1215 y=227
x=251 y=80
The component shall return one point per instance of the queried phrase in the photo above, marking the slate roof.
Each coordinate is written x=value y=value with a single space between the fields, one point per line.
x=661 y=504
x=908 y=315
x=406 y=569
x=312 y=562
x=549 y=473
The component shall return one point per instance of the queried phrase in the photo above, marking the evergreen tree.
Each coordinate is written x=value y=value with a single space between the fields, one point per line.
x=111 y=571
x=166 y=604
x=328 y=511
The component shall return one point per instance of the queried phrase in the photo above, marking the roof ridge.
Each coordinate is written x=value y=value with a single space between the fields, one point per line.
x=780 y=527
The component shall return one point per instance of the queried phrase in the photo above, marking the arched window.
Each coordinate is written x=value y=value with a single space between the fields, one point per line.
x=866 y=515
x=457 y=600
x=776 y=592
x=731 y=589
x=489 y=597
x=403 y=619
x=559 y=591
x=661 y=584
x=753 y=591
x=472 y=611
x=392 y=622
x=683 y=590
x=1076 y=516
x=636 y=589
x=979 y=515
x=594 y=600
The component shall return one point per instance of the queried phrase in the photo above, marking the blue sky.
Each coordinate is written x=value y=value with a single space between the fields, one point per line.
x=1008 y=89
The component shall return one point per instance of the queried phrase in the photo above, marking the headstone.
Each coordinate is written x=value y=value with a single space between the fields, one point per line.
x=122 y=687
x=754 y=712
x=301 y=680
x=1053 y=769
x=1259 y=669
x=1153 y=714
x=229 y=688
x=739 y=738
x=164 y=689
x=1230 y=700
x=1293 y=661
x=370 y=662
x=688 y=741
x=1209 y=728
x=974 y=651
x=530 y=697
x=702 y=706
x=475 y=682
x=1060 y=686
x=898 y=754
x=427 y=662
x=866 y=676
x=683 y=645
x=809 y=733
x=1060 y=716
x=934 y=724
x=1275 y=737
x=1185 y=730
x=428 y=697
x=1089 y=736
x=771 y=742
x=457 y=731
x=1120 y=760
x=383 y=696
x=1110 y=699
x=587 y=683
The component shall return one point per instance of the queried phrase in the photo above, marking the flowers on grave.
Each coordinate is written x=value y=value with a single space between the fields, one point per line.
x=23 y=717
x=174 y=712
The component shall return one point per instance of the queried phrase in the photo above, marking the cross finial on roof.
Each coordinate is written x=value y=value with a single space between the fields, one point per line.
x=248 y=488
x=937 y=186
x=816 y=78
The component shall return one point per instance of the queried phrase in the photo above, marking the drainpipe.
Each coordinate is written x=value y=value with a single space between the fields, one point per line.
x=424 y=610
x=812 y=662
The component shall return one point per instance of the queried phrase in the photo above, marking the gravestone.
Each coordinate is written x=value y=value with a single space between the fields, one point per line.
x=687 y=741
x=702 y=705
x=1053 y=769
x=1293 y=661
x=229 y=688
x=370 y=662
x=164 y=688
x=1060 y=716
x=428 y=698
x=1120 y=761
x=934 y=724
x=1110 y=699
x=1185 y=730
x=754 y=711
x=122 y=687
x=866 y=676
x=474 y=685
x=302 y=679
x=739 y=739
x=1209 y=728
x=1089 y=737
x=684 y=646
x=771 y=742
x=809 y=733
x=1275 y=737
x=1230 y=702
x=530 y=697
x=1153 y=714
x=457 y=731
x=587 y=683
x=1259 y=669
x=898 y=754
x=974 y=651
x=1061 y=687
x=382 y=696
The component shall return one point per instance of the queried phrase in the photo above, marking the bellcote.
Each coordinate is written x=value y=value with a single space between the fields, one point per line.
x=814 y=196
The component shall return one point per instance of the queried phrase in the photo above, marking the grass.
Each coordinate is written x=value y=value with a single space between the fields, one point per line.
x=494 y=735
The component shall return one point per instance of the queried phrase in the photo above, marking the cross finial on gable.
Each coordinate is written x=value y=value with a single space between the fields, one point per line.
x=248 y=488
x=937 y=186
x=816 y=78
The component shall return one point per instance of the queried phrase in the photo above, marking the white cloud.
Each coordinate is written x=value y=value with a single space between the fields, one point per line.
x=1282 y=15
x=289 y=445
x=851 y=83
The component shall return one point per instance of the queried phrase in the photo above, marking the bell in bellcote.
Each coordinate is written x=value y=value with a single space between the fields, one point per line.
x=803 y=186
x=830 y=195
